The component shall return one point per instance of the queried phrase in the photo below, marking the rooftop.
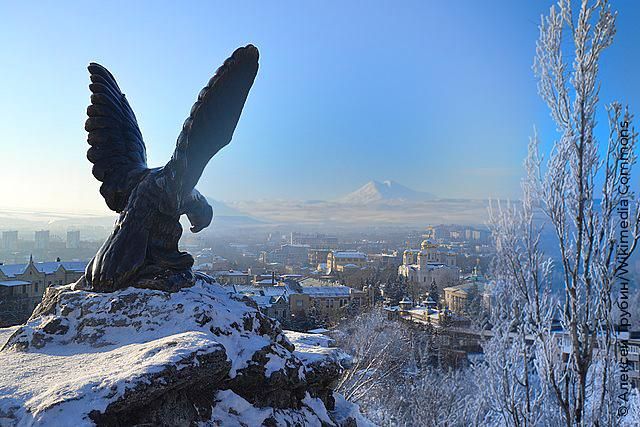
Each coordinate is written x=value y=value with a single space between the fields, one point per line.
x=311 y=281
x=265 y=301
x=480 y=286
x=349 y=254
x=10 y=283
x=12 y=270
x=430 y=266
x=263 y=290
x=327 y=291
x=230 y=273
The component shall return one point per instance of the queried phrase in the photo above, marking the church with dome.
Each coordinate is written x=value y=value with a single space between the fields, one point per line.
x=429 y=264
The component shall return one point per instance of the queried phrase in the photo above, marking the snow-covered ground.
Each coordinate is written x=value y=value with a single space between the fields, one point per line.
x=313 y=348
x=93 y=352
x=77 y=380
x=233 y=411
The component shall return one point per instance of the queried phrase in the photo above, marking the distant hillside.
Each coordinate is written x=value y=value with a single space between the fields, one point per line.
x=375 y=192
x=225 y=214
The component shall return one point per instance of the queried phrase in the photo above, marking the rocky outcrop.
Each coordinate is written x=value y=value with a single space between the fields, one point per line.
x=140 y=356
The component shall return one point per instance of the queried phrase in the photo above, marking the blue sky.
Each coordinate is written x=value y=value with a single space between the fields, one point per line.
x=438 y=96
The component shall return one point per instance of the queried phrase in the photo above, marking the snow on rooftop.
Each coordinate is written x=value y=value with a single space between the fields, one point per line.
x=10 y=283
x=347 y=254
x=264 y=301
x=204 y=265
x=11 y=270
x=479 y=286
x=312 y=281
x=284 y=290
x=230 y=273
x=327 y=291
x=431 y=266
x=263 y=290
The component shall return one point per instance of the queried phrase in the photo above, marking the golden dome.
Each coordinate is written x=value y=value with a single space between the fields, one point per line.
x=426 y=244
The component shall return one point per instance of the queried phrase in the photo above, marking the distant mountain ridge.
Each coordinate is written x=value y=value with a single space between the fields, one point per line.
x=385 y=191
x=223 y=213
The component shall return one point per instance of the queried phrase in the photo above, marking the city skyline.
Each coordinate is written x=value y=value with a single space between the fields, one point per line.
x=428 y=214
x=440 y=99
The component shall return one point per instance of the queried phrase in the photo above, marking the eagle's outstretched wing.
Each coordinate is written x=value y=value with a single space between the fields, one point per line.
x=117 y=150
x=213 y=118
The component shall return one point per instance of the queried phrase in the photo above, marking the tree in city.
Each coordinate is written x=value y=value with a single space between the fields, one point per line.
x=434 y=294
x=394 y=290
x=537 y=372
x=473 y=303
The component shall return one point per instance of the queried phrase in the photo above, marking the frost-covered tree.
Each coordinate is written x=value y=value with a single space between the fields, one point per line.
x=378 y=349
x=397 y=377
x=633 y=417
x=430 y=397
x=522 y=307
x=552 y=358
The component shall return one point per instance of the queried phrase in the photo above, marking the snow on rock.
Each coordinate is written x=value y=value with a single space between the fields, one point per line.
x=98 y=320
x=62 y=388
x=312 y=348
x=199 y=355
x=322 y=363
x=233 y=411
x=347 y=413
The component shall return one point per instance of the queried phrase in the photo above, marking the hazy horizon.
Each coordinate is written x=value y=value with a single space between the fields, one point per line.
x=441 y=99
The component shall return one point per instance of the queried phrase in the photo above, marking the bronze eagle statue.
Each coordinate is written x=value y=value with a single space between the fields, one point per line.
x=143 y=249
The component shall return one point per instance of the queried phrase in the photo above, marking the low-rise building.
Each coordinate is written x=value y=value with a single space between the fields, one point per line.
x=22 y=286
x=289 y=254
x=386 y=260
x=633 y=359
x=232 y=277
x=316 y=240
x=627 y=348
x=267 y=279
x=473 y=290
x=327 y=302
x=316 y=257
x=206 y=260
x=339 y=261
x=306 y=298
x=276 y=307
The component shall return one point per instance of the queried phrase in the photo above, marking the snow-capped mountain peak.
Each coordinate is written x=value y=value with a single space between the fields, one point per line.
x=376 y=191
